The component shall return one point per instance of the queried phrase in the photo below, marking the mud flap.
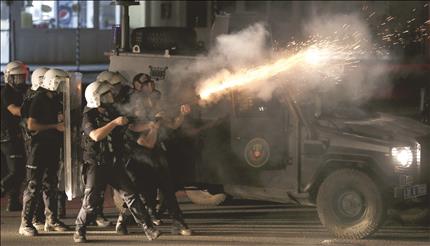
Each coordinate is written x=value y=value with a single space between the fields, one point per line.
x=72 y=164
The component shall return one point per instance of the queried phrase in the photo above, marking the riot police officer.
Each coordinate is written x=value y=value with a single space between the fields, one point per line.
x=149 y=151
x=12 y=143
x=36 y=81
x=119 y=91
x=102 y=137
x=43 y=120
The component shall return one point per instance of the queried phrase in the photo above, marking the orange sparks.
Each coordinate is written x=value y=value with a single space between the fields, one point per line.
x=226 y=80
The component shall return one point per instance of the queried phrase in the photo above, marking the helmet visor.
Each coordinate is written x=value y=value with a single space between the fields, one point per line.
x=18 y=79
x=106 y=98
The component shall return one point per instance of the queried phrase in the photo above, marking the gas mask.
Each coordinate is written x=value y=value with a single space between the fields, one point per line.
x=18 y=82
x=116 y=90
x=106 y=100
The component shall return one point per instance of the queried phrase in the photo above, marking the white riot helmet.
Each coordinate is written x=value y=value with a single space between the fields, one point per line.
x=118 y=78
x=112 y=78
x=98 y=93
x=15 y=73
x=53 y=79
x=37 y=77
x=105 y=76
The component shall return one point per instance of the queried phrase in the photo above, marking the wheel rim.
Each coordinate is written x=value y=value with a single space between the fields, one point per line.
x=350 y=205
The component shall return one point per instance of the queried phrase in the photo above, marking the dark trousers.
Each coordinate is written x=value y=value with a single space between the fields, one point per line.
x=99 y=208
x=14 y=153
x=39 y=213
x=96 y=178
x=150 y=175
x=42 y=176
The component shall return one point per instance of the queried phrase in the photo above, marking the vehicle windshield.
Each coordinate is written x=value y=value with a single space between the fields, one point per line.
x=347 y=111
x=334 y=106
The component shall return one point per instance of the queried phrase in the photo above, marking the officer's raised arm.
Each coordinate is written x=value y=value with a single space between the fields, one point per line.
x=100 y=133
x=97 y=95
x=177 y=122
x=149 y=140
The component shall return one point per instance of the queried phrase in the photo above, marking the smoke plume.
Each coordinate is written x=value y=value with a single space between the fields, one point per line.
x=350 y=69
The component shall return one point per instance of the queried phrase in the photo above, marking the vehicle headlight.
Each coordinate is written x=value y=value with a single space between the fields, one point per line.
x=402 y=156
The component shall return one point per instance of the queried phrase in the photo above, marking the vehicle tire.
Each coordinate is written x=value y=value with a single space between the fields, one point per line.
x=203 y=197
x=350 y=204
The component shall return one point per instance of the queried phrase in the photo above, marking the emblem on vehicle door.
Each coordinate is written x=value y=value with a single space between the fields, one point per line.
x=257 y=152
x=158 y=73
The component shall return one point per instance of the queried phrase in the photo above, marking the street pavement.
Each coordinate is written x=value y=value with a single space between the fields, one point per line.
x=237 y=223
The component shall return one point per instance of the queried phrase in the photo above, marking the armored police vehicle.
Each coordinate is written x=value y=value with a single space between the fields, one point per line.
x=351 y=164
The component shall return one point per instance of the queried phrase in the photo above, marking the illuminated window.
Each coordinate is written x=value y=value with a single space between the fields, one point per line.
x=109 y=15
x=4 y=32
x=58 y=14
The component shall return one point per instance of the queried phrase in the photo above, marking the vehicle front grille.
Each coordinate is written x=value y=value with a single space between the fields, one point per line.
x=424 y=167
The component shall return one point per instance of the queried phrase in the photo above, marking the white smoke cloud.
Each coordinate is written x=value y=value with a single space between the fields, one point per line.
x=351 y=68
x=246 y=49
x=231 y=52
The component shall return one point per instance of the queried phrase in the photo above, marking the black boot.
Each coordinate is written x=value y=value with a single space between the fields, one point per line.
x=121 y=225
x=27 y=229
x=154 y=217
x=180 y=228
x=151 y=232
x=55 y=225
x=39 y=213
x=52 y=223
x=80 y=235
x=38 y=223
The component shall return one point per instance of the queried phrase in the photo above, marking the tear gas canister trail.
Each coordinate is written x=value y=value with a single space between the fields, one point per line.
x=313 y=56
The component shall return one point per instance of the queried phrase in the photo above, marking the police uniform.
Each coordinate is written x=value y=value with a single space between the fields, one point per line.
x=12 y=144
x=102 y=166
x=122 y=97
x=43 y=162
x=39 y=217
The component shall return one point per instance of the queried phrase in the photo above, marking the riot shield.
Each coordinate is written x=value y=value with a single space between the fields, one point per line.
x=72 y=163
